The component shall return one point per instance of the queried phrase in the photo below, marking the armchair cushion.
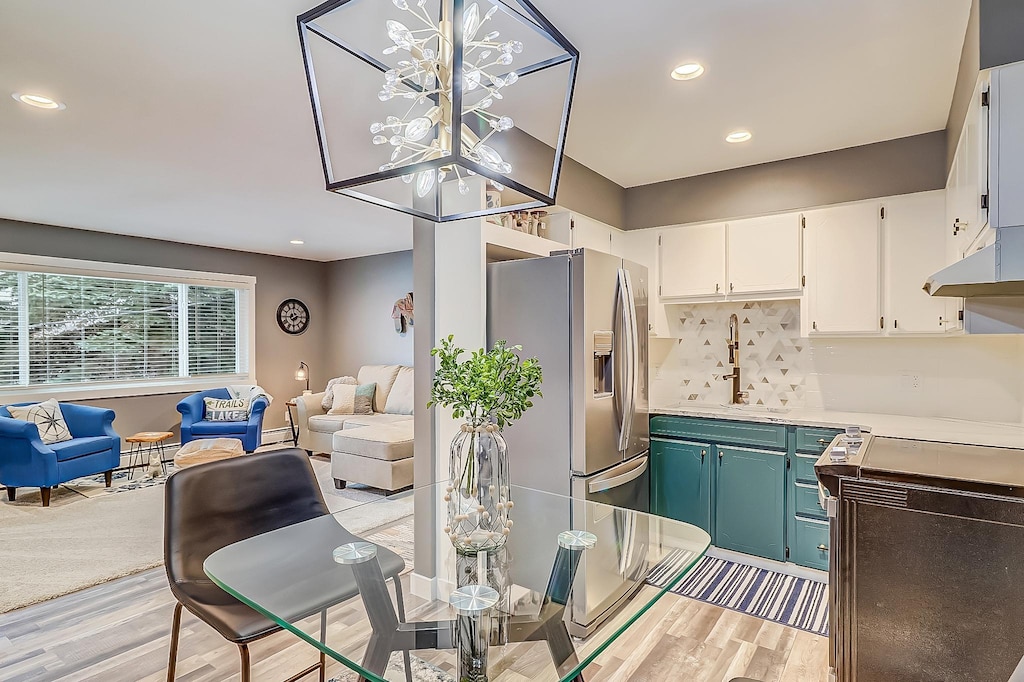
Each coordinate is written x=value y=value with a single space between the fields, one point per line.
x=80 y=447
x=47 y=417
x=210 y=428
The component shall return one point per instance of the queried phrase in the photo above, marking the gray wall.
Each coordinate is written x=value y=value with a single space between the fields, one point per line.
x=1001 y=27
x=592 y=194
x=966 y=78
x=360 y=295
x=910 y=164
x=277 y=278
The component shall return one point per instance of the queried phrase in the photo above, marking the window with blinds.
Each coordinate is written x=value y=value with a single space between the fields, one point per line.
x=73 y=329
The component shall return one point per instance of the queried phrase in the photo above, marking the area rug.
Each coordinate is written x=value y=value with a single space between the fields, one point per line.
x=90 y=535
x=796 y=602
x=421 y=672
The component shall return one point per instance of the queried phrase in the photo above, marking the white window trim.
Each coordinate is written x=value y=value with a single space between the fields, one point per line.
x=83 y=391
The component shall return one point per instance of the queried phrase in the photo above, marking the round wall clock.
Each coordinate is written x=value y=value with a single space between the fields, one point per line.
x=293 y=316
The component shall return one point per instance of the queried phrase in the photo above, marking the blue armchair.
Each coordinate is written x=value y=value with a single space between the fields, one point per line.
x=194 y=427
x=25 y=461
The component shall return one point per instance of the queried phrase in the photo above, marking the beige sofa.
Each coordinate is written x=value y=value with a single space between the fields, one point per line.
x=374 y=449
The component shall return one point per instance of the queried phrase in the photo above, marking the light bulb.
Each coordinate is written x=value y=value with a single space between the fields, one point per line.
x=424 y=182
x=470 y=22
x=418 y=128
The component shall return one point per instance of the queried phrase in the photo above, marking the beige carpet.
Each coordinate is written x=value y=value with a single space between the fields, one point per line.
x=77 y=542
x=87 y=537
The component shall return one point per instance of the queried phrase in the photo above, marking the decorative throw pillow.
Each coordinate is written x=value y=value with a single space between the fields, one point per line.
x=47 y=417
x=349 y=399
x=220 y=410
x=328 y=400
x=400 y=398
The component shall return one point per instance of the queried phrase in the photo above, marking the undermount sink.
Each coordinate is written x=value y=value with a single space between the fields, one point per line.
x=761 y=409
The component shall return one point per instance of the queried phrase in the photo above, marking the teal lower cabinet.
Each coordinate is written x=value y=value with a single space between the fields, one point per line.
x=750 y=501
x=681 y=481
x=807 y=535
x=809 y=544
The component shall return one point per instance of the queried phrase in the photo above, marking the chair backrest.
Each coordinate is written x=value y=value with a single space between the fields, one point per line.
x=210 y=506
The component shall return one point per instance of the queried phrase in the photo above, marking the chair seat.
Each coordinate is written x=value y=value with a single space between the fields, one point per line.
x=80 y=447
x=235 y=621
x=208 y=428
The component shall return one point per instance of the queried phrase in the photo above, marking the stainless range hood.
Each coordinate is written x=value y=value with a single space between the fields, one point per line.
x=996 y=270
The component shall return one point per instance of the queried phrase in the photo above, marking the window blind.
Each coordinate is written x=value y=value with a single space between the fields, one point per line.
x=9 y=347
x=75 y=329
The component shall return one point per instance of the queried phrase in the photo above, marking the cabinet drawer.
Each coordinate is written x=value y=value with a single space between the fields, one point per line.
x=805 y=501
x=812 y=440
x=720 y=431
x=803 y=465
x=810 y=544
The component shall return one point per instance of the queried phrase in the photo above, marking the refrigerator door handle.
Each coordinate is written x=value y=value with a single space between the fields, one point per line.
x=626 y=401
x=632 y=360
x=604 y=484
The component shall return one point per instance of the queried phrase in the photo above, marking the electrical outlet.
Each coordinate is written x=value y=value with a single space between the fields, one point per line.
x=910 y=382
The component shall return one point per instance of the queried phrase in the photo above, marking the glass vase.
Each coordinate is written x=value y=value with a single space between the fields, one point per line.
x=478 y=490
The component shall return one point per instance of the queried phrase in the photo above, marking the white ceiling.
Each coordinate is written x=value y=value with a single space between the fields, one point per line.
x=190 y=120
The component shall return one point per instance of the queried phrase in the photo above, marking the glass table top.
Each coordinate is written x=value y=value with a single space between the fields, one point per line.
x=380 y=588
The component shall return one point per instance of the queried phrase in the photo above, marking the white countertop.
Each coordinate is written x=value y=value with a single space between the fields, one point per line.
x=942 y=429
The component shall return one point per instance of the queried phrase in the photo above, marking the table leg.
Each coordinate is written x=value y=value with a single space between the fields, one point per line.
x=293 y=426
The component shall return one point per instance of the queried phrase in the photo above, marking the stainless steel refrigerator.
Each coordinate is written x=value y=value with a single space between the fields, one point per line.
x=583 y=314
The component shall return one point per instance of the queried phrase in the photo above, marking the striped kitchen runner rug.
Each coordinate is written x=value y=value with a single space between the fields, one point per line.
x=797 y=602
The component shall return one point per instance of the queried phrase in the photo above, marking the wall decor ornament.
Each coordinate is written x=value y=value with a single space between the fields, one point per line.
x=490 y=390
x=402 y=314
x=432 y=85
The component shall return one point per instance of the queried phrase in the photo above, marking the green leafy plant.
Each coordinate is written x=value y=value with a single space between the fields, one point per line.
x=494 y=384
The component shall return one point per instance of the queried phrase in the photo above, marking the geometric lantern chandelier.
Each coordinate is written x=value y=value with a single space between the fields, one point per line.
x=442 y=109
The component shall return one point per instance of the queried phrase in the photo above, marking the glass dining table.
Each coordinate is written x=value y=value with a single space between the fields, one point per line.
x=380 y=588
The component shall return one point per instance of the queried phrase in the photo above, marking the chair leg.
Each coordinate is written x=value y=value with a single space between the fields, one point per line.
x=243 y=652
x=323 y=640
x=400 y=603
x=45 y=492
x=339 y=484
x=11 y=493
x=108 y=478
x=175 y=630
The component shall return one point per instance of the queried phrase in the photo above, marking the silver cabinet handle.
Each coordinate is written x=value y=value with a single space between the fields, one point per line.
x=703 y=453
x=717 y=287
x=730 y=286
x=822 y=548
x=822 y=441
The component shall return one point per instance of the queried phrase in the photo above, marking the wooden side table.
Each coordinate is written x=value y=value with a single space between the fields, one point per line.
x=292 y=424
x=155 y=441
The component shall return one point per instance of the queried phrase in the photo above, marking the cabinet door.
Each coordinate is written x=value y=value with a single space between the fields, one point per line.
x=764 y=254
x=681 y=481
x=590 y=234
x=915 y=248
x=750 y=511
x=641 y=246
x=692 y=261
x=843 y=267
x=975 y=164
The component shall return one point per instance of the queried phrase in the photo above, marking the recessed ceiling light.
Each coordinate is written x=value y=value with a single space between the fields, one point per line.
x=737 y=136
x=688 y=71
x=297 y=242
x=38 y=101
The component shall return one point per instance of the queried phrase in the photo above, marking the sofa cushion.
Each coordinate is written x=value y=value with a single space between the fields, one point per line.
x=358 y=421
x=207 y=428
x=80 y=447
x=47 y=417
x=349 y=399
x=388 y=442
x=384 y=377
x=400 y=398
x=328 y=423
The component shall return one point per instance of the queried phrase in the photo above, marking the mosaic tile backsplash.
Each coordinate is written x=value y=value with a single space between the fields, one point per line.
x=774 y=359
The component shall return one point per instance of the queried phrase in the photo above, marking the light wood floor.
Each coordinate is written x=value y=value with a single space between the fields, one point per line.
x=118 y=632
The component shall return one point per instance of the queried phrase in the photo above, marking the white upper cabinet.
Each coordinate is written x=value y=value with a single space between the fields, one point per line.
x=763 y=255
x=968 y=179
x=641 y=246
x=915 y=248
x=590 y=234
x=691 y=261
x=842 y=261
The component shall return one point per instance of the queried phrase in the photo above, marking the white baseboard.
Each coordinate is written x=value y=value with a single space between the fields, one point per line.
x=768 y=564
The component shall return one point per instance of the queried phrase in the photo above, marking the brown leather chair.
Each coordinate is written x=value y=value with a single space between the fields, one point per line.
x=213 y=505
